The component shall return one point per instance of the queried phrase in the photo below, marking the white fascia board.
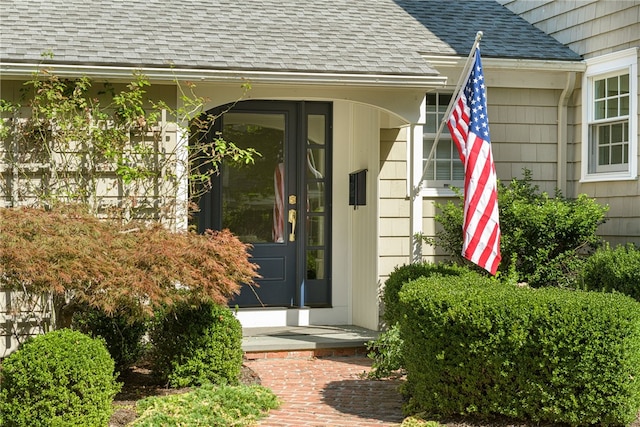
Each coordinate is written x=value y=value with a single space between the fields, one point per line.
x=509 y=64
x=21 y=70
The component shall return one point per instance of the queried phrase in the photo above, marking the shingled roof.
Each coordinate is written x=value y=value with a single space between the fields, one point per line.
x=320 y=36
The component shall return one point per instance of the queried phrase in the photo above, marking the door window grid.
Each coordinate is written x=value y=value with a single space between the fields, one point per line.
x=316 y=198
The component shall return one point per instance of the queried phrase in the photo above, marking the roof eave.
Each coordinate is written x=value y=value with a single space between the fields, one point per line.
x=510 y=63
x=21 y=70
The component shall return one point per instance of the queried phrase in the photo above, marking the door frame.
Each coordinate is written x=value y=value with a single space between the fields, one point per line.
x=307 y=292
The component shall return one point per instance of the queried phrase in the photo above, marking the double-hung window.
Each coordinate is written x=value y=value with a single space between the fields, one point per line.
x=610 y=112
x=445 y=169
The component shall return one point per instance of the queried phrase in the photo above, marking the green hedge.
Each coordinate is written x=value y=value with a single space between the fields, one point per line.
x=192 y=346
x=474 y=346
x=614 y=270
x=386 y=350
x=406 y=273
x=62 y=378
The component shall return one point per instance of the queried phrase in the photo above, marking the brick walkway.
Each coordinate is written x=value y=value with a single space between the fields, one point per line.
x=331 y=391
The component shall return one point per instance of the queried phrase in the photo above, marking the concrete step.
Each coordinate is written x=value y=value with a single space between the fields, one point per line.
x=306 y=341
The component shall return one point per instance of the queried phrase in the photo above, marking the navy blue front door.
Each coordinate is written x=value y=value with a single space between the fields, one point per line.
x=279 y=204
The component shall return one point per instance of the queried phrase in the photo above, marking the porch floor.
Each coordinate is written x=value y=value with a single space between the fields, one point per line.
x=305 y=341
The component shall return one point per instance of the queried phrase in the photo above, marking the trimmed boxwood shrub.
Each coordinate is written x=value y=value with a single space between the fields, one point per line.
x=122 y=334
x=614 y=270
x=386 y=350
x=406 y=273
x=62 y=378
x=475 y=346
x=197 y=345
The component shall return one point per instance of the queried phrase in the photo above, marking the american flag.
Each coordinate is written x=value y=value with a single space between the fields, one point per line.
x=469 y=127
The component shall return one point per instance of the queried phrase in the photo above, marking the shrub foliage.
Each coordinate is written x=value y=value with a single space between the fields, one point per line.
x=121 y=333
x=614 y=270
x=212 y=406
x=62 y=378
x=197 y=345
x=89 y=138
x=475 y=346
x=386 y=351
x=542 y=236
x=406 y=273
x=103 y=264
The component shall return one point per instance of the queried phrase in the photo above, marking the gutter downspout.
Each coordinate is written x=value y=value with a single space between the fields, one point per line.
x=561 y=180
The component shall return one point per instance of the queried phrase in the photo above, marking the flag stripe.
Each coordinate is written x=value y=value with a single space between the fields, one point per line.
x=469 y=127
x=458 y=125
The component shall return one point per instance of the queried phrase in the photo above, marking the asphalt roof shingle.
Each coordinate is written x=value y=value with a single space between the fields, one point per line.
x=342 y=36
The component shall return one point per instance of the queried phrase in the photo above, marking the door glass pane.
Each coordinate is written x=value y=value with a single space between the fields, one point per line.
x=315 y=232
x=315 y=264
x=316 y=168
x=253 y=196
x=316 y=129
x=315 y=197
x=316 y=172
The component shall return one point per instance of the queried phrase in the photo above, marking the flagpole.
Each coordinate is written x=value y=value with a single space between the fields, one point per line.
x=466 y=70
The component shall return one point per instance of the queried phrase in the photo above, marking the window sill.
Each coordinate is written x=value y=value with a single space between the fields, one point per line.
x=608 y=177
x=437 y=192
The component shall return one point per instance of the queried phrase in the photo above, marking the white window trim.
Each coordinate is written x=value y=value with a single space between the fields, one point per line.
x=614 y=62
x=418 y=153
x=437 y=192
x=426 y=191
